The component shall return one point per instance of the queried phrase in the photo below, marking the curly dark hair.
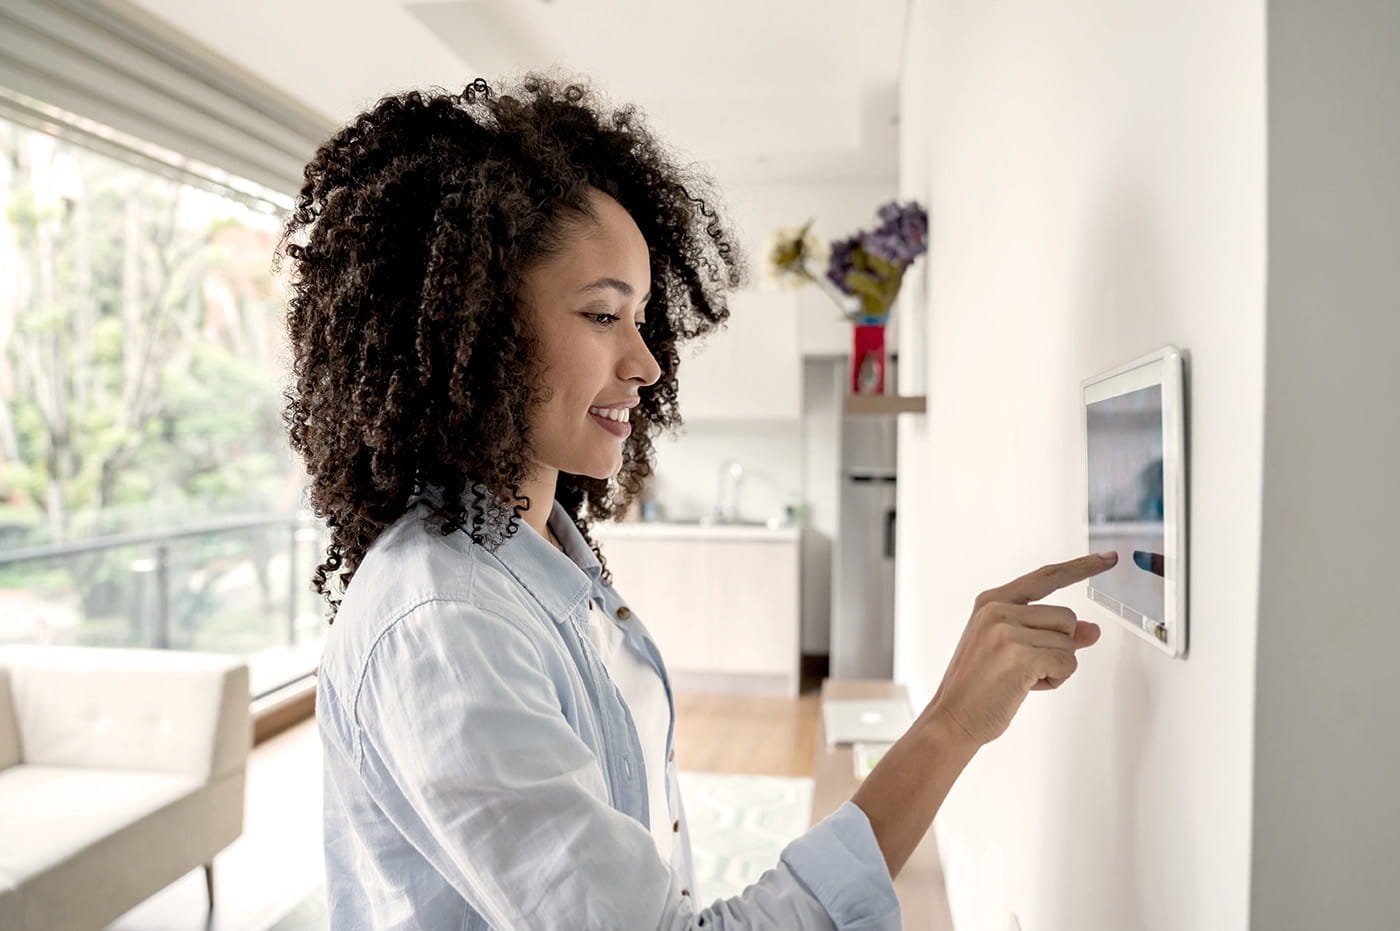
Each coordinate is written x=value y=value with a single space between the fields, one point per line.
x=412 y=363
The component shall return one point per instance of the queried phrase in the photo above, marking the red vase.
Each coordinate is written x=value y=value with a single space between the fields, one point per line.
x=868 y=359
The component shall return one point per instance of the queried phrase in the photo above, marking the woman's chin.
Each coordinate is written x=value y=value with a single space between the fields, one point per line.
x=602 y=471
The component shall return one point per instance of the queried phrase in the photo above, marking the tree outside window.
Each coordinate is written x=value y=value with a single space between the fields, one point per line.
x=141 y=373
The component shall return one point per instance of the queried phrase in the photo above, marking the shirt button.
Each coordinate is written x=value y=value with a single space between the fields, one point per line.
x=685 y=892
x=671 y=757
x=676 y=827
x=623 y=613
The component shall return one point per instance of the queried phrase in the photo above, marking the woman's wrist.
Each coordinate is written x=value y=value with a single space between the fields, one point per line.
x=903 y=793
x=945 y=736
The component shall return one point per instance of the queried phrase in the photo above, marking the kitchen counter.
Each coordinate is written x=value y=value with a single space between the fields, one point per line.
x=691 y=530
x=722 y=600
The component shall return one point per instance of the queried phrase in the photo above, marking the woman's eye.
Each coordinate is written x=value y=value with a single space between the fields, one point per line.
x=604 y=319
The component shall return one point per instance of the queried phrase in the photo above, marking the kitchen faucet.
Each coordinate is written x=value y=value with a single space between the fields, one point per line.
x=731 y=476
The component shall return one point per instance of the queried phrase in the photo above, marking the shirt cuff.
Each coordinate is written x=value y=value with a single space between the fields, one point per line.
x=840 y=863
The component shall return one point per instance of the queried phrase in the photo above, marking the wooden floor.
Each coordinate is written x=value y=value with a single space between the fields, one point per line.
x=761 y=735
x=267 y=870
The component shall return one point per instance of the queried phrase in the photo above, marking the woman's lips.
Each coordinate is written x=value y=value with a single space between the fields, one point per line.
x=614 y=427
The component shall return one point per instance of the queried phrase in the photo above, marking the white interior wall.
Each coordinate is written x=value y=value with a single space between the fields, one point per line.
x=784 y=460
x=1327 y=740
x=836 y=208
x=687 y=467
x=1095 y=172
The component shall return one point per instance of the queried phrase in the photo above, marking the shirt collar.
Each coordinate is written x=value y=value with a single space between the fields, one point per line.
x=575 y=546
x=558 y=581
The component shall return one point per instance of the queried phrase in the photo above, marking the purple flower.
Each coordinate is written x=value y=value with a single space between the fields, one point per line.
x=842 y=262
x=870 y=264
x=902 y=235
x=883 y=244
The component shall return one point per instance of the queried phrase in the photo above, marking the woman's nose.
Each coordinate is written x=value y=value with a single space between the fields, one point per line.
x=639 y=364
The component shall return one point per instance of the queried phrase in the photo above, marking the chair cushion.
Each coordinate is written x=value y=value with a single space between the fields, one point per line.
x=84 y=845
x=52 y=814
x=164 y=711
x=9 y=730
x=11 y=908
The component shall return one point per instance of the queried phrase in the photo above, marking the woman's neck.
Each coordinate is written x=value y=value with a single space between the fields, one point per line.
x=540 y=488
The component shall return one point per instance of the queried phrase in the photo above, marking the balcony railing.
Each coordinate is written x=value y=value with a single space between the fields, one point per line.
x=239 y=585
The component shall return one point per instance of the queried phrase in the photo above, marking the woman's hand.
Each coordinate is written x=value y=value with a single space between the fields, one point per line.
x=1011 y=647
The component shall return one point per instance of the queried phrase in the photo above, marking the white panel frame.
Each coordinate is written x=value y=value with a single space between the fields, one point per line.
x=1165 y=367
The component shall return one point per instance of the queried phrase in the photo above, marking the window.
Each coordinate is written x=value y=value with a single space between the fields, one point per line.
x=147 y=497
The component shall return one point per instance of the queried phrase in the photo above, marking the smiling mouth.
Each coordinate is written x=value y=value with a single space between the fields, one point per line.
x=612 y=419
x=615 y=414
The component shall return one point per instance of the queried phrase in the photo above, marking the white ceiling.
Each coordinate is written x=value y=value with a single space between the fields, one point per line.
x=763 y=90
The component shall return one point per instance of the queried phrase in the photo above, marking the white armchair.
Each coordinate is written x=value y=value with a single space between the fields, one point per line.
x=120 y=771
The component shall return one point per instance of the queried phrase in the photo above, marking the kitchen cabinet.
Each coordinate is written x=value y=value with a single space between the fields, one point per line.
x=722 y=603
x=751 y=369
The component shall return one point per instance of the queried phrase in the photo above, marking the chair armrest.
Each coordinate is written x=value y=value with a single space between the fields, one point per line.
x=151 y=710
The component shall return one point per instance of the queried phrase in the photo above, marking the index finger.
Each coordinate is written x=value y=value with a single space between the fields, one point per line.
x=1039 y=584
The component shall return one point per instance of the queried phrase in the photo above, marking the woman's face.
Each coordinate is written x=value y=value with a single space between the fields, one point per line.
x=586 y=305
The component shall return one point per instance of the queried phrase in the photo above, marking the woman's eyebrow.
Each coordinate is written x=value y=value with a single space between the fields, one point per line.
x=615 y=284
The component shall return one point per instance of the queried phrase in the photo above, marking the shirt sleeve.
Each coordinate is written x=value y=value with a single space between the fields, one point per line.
x=511 y=807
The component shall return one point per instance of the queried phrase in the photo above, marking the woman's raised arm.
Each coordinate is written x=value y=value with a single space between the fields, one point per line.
x=1009 y=647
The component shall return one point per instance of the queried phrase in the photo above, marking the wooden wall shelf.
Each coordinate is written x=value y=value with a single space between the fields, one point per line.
x=878 y=404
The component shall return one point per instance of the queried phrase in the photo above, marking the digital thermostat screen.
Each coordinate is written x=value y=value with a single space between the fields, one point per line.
x=1125 y=497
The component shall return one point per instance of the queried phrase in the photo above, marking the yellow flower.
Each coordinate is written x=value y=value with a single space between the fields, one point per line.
x=793 y=256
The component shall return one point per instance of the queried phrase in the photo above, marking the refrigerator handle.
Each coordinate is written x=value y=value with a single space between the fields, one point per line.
x=889 y=533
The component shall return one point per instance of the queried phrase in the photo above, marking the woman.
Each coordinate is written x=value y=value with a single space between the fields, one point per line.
x=489 y=291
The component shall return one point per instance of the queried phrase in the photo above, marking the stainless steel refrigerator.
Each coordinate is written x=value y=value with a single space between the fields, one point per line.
x=862 y=597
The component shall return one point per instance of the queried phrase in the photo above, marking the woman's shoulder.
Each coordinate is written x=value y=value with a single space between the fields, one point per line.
x=412 y=561
x=424 y=614
x=415 y=574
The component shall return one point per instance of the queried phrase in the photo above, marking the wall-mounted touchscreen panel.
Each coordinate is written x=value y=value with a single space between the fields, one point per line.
x=1135 y=483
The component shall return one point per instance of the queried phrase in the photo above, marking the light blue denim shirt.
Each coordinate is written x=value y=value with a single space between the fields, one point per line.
x=482 y=770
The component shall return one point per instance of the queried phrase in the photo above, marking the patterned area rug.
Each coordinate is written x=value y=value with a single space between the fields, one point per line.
x=738 y=827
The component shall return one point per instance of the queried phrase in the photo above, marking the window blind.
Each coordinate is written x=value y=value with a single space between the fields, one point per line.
x=116 y=65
